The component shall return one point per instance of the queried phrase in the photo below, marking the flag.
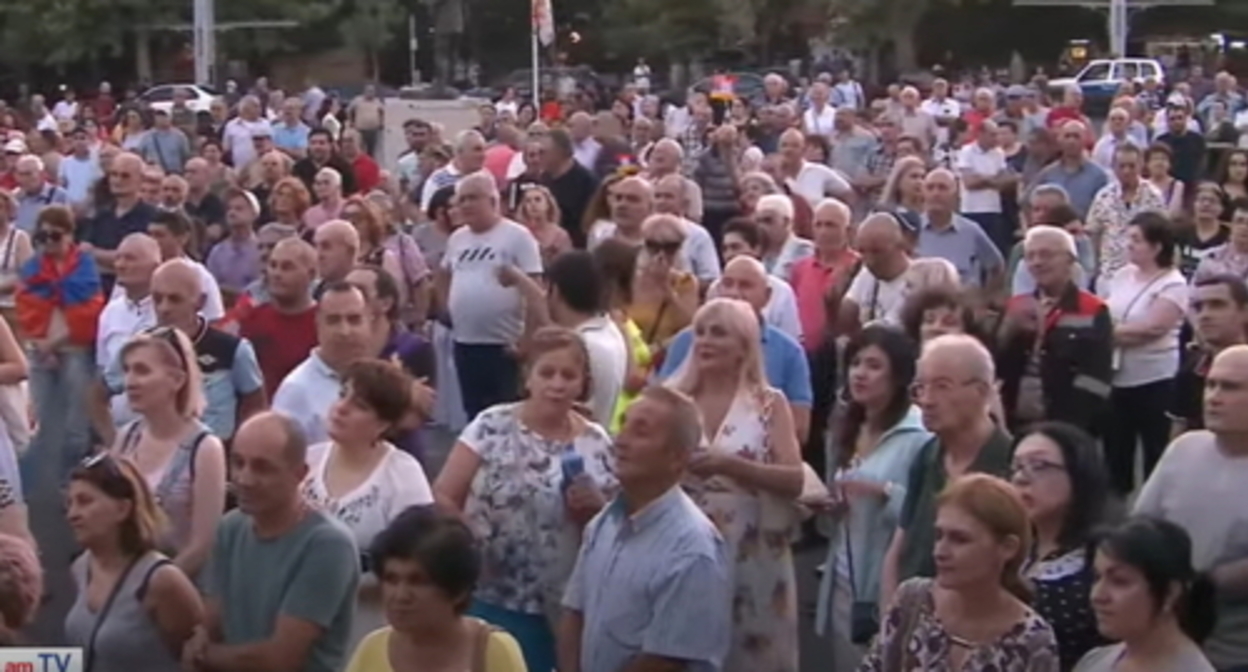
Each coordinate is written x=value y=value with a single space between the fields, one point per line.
x=544 y=21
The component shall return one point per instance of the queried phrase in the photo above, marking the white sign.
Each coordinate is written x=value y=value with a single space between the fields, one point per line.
x=41 y=660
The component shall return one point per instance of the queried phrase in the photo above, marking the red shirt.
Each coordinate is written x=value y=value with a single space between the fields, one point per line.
x=811 y=282
x=367 y=173
x=8 y=181
x=281 y=340
x=1062 y=114
x=974 y=121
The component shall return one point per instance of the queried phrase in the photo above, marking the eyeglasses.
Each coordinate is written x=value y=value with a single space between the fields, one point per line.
x=1033 y=468
x=45 y=236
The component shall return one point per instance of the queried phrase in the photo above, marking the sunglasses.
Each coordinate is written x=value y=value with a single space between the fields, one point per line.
x=170 y=336
x=45 y=236
x=662 y=246
x=105 y=471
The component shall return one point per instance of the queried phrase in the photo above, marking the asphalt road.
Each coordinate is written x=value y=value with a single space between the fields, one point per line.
x=57 y=546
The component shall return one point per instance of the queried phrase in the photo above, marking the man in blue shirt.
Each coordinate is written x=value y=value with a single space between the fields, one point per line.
x=652 y=586
x=745 y=279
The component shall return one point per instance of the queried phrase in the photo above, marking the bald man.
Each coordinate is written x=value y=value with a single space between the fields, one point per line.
x=127 y=214
x=282 y=326
x=746 y=279
x=337 y=248
x=297 y=613
x=129 y=311
x=973 y=243
x=632 y=201
x=955 y=389
x=1199 y=486
x=1074 y=170
x=879 y=290
x=233 y=386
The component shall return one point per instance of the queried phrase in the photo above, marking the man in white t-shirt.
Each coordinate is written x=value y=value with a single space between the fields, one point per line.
x=577 y=302
x=820 y=117
x=1198 y=485
x=486 y=318
x=878 y=292
x=945 y=110
x=171 y=229
x=981 y=165
x=239 y=133
x=812 y=181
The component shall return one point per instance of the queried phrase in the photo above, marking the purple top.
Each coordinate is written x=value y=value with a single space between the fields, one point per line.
x=234 y=264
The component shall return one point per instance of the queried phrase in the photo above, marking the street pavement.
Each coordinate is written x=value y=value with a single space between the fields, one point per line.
x=57 y=546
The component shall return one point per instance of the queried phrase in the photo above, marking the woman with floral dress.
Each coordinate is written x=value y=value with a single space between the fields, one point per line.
x=513 y=474
x=982 y=534
x=745 y=479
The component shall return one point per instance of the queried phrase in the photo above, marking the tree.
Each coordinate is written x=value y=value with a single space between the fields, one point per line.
x=874 y=23
x=370 y=26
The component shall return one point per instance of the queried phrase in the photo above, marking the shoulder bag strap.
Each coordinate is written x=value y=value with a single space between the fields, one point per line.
x=9 y=242
x=89 y=653
x=131 y=438
x=183 y=461
x=910 y=602
x=658 y=320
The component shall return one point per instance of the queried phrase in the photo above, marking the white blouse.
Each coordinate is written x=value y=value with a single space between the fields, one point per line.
x=397 y=483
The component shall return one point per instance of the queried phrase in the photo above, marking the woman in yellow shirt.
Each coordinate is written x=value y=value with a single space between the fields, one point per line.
x=427 y=563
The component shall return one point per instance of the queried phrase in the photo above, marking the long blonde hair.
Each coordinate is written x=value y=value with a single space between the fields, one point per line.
x=741 y=321
x=888 y=196
x=177 y=349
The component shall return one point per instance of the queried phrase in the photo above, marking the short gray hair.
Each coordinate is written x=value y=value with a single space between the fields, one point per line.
x=1051 y=189
x=685 y=428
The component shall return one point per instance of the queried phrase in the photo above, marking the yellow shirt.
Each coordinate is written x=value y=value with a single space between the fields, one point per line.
x=641 y=357
x=502 y=653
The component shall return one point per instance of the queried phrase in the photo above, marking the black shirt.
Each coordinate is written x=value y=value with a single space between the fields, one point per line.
x=573 y=191
x=1188 y=403
x=1188 y=163
x=305 y=169
x=107 y=229
x=1191 y=247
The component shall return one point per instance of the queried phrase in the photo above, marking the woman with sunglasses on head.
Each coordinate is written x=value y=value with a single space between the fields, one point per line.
x=973 y=615
x=1059 y=476
x=361 y=478
x=181 y=461
x=1149 y=598
x=664 y=293
x=880 y=433
x=135 y=609
x=58 y=305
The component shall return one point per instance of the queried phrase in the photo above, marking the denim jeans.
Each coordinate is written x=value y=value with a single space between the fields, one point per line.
x=59 y=394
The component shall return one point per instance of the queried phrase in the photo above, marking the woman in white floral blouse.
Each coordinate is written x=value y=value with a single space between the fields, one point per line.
x=507 y=475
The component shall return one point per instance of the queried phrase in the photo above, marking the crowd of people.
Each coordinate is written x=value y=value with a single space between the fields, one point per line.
x=992 y=357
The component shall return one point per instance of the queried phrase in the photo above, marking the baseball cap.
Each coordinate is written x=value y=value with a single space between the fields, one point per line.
x=1017 y=91
x=15 y=146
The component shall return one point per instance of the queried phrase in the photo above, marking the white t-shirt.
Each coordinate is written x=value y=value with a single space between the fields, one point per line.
x=822 y=122
x=1200 y=488
x=65 y=110
x=1130 y=300
x=238 y=134
x=608 y=364
x=306 y=394
x=214 y=307
x=816 y=181
x=878 y=300
x=482 y=310
x=974 y=159
x=941 y=109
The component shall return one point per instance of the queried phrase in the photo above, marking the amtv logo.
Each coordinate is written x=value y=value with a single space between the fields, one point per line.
x=41 y=660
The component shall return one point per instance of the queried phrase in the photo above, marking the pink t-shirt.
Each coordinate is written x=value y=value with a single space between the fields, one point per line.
x=497 y=160
x=319 y=214
x=811 y=281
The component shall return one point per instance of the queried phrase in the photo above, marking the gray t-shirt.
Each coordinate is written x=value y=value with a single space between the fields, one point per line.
x=1200 y=488
x=1105 y=659
x=310 y=573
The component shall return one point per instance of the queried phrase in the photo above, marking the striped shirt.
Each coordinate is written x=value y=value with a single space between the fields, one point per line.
x=657 y=582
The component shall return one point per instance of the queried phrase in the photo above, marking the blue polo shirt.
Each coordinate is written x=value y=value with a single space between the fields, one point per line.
x=28 y=206
x=965 y=245
x=1081 y=185
x=292 y=138
x=783 y=359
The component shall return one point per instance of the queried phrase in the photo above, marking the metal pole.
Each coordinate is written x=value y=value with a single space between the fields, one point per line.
x=204 y=33
x=1118 y=27
x=413 y=45
x=537 y=80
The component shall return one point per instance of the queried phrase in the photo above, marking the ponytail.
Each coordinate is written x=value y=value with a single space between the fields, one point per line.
x=1196 y=610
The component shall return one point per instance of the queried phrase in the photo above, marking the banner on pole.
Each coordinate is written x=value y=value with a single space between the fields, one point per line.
x=544 y=22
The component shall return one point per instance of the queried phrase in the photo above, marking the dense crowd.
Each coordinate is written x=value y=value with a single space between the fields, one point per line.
x=991 y=356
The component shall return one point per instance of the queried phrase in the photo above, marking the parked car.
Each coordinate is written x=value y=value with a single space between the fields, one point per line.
x=1100 y=79
x=160 y=97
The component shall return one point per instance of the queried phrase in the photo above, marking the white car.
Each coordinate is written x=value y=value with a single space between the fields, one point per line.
x=160 y=97
x=1100 y=79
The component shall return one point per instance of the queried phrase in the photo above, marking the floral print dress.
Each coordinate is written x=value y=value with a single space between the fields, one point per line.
x=912 y=639
x=764 y=605
x=515 y=506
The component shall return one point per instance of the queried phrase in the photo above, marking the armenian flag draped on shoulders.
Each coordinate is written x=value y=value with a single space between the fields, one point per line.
x=70 y=284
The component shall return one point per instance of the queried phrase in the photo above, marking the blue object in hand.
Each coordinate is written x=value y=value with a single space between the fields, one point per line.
x=573 y=465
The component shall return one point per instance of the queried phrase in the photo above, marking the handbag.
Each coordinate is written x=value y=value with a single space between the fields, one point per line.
x=864 y=617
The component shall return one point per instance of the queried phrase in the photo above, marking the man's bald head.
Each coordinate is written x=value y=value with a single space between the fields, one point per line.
x=746 y=265
x=832 y=209
x=294 y=249
x=129 y=161
x=140 y=247
x=967 y=354
x=745 y=279
x=1226 y=392
x=177 y=294
x=276 y=434
x=178 y=273
x=338 y=231
x=880 y=226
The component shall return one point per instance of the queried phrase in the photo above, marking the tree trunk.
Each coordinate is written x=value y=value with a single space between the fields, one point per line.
x=901 y=33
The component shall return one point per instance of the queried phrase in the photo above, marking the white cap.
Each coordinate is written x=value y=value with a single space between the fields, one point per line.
x=15 y=146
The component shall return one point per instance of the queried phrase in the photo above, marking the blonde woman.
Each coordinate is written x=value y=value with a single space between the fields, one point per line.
x=288 y=201
x=540 y=214
x=745 y=478
x=665 y=294
x=182 y=462
x=904 y=188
